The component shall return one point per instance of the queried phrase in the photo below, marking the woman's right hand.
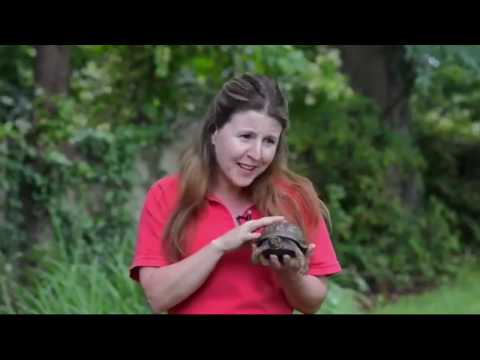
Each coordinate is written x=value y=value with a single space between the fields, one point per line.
x=244 y=233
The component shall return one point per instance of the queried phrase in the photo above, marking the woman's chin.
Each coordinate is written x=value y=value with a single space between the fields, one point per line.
x=243 y=182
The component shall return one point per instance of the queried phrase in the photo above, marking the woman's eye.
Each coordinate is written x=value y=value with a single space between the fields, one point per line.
x=246 y=136
x=270 y=141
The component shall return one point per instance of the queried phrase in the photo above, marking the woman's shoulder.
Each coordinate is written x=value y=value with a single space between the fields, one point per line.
x=168 y=185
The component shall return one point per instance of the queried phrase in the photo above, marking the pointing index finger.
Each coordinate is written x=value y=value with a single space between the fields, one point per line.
x=255 y=224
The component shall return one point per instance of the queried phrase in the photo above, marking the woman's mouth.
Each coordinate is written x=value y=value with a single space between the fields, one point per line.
x=245 y=167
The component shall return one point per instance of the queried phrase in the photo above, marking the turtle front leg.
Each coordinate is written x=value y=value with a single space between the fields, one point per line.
x=256 y=254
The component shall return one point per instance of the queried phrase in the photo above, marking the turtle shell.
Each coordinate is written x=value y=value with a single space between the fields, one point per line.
x=281 y=239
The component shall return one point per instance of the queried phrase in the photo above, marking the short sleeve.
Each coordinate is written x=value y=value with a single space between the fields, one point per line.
x=324 y=260
x=153 y=218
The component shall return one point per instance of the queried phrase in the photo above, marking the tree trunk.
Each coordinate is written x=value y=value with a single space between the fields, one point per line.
x=52 y=68
x=382 y=73
x=52 y=75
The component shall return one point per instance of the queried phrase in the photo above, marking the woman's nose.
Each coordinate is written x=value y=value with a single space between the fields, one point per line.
x=256 y=151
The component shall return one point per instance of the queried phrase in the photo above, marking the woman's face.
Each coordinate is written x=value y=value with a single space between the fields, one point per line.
x=245 y=147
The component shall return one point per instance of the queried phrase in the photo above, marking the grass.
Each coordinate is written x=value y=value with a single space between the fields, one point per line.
x=74 y=279
x=340 y=301
x=461 y=296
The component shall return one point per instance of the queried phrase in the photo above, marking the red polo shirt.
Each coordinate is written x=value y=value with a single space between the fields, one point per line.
x=235 y=286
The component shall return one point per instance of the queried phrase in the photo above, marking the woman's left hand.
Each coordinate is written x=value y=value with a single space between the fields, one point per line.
x=296 y=265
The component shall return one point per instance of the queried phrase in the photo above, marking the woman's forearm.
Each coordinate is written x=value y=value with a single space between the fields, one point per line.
x=305 y=293
x=168 y=286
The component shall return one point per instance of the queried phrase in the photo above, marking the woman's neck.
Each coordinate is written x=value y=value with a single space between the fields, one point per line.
x=230 y=193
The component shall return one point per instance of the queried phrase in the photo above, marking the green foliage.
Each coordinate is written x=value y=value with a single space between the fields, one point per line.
x=429 y=58
x=340 y=301
x=71 y=170
x=71 y=278
x=61 y=165
x=448 y=132
x=17 y=73
x=340 y=142
x=457 y=296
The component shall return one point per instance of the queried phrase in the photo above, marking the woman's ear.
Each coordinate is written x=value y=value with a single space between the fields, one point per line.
x=213 y=138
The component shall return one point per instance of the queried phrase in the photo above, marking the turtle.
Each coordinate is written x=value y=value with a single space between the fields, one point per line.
x=279 y=239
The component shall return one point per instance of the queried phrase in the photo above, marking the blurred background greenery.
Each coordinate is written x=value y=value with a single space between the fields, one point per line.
x=390 y=136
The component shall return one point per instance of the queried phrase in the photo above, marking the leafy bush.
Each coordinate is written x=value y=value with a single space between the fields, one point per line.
x=448 y=132
x=68 y=277
x=340 y=142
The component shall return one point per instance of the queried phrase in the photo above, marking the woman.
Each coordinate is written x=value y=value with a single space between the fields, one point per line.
x=196 y=231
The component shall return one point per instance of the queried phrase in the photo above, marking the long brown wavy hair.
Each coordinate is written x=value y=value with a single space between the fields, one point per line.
x=278 y=191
